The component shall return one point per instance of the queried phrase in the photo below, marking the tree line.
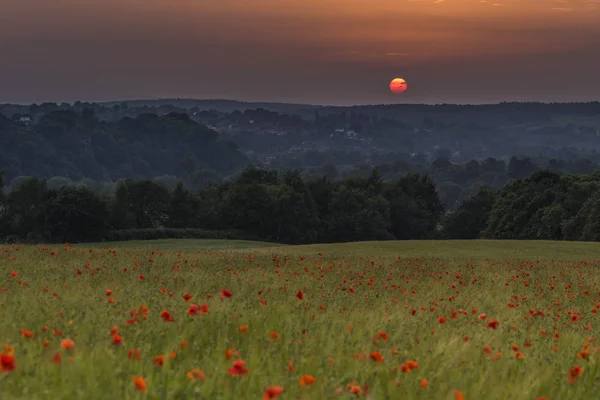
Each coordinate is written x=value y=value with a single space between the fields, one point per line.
x=260 y=204
x=264 y=204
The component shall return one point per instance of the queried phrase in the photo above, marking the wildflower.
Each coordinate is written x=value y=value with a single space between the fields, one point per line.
x=238 y=368
x=274 y=335
x=376 y=356
x=117 y=340
x=382 y=335
x=67 y=344
x=300 y=295
x=7 y=362
x=140 y=384
x=187 y=297
x=158 y=361
x=272 y=392
x=134 y=354
x=26 y=333
x=243 y=329
x=196 y=375
x=226 y=293
x=307 y=380
x=354 y=388
x=57 y=358
x=574 y=374
x=493 y=323
x=424 y=383
x=458 y=395
x=166 y=316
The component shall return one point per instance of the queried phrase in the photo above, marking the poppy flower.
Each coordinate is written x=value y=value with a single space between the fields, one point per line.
x=493 y=323
x=166 y=316
x=7 y=363
x=117 y=340
x=67 y=344
x=272 y=392
x=376 y=356
x=307 y=380
x=134 y=354
x=140 y=384
x=196 y=375
x=26 y=333
x=574 y=374
x=158 y=361
x=300 y=295
x=226 y=293
x=238 y=368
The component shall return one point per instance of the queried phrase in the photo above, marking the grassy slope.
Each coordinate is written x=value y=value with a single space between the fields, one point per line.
x=436 y=279
x=471 y=249
x=184 y=244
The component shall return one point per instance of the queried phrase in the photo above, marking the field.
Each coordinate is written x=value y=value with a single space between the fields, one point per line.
x=237 y=320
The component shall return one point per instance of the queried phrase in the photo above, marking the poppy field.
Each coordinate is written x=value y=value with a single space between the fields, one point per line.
x=444 y=320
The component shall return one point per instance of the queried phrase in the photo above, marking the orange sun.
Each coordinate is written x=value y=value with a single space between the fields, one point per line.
x=398 y=85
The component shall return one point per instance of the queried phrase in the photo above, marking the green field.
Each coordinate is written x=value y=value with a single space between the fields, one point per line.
x=367 y=313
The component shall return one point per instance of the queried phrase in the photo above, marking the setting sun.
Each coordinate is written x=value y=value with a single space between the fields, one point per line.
x=398 y=85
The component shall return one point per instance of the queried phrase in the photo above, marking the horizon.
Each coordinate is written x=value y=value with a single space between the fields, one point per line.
x=167 y=99
x=335 y=52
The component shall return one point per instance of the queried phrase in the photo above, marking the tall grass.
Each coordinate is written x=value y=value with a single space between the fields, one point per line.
x=420 y=301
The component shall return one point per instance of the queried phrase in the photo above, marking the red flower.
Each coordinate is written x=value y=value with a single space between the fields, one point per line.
x=195 y=310
x=238 y=368
x=187 y=297
x=574 y=373
x=7 y=363
x=272 y=392
x=300 y=295
x=493 y=323
x=117 y=340
x=376 y=356
x=166 y=316
x=226 y=293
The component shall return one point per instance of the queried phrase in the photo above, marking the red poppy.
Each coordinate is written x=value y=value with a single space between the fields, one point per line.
x=238 y=368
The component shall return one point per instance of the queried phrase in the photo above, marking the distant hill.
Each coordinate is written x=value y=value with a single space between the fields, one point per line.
x=78 y=145
x=221 y=105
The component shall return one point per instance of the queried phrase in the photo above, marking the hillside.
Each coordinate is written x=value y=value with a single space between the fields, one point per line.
x=77 y=145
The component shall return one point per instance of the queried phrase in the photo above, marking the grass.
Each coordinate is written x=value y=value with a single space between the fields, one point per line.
x=186 y=244
x=400 y=301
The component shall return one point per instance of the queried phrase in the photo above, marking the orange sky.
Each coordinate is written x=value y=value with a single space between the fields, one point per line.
x=321 y=51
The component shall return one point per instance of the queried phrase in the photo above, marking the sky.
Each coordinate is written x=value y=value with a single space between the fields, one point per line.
x=339 y=52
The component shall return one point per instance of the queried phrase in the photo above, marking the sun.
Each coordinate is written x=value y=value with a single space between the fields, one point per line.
x=398 y=85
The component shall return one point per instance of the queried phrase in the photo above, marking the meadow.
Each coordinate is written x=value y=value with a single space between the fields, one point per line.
x=224 y=320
